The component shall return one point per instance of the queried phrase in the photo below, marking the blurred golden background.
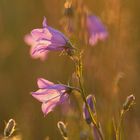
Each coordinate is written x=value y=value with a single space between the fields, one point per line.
x=112 y=68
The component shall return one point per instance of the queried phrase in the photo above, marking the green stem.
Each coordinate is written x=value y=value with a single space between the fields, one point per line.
x=119 y=126
x=78 y=65
x=88 y=108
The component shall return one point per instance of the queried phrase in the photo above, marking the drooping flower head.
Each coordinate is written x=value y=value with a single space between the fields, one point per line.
x=51 y=94
x=96 y=30
x=47 y=39
x=86 y=115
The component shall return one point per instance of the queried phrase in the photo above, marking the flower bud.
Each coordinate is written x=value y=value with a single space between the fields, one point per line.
x=63 y=130
x=68 y=11
x=128 y=102
x=9 y=128
x=86 y=114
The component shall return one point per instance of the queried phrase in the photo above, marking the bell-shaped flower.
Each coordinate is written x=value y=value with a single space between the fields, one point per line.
x=86 y=114
x=90 y=100
x=51 y=95
x=96 y=30
x=47 y=39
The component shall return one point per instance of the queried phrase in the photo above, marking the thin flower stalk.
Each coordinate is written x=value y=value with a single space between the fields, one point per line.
x=129 y=102
x=78 y=65
x=119 y=125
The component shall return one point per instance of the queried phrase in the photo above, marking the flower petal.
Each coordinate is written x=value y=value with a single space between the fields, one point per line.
x=48 y=107
x=39 y=48
x=41 y=33
x=44 y=23
x=64 y=97
x=58 y=37
x=96 y=30
x=43 y=83
x=45 y=95
x=29 y=40
x=42 y=55
x=95 y=24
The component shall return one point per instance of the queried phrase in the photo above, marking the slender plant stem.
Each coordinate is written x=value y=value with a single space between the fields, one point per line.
x=88 y=108
x=119 y=125
x=83 y=94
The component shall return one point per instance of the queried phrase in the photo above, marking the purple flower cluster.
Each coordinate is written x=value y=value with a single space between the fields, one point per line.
x=45 y=39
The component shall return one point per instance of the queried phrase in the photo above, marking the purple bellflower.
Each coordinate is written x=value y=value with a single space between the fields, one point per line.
x=51 y=94
x=47 y=39
x=86 y=115
x=96 y=30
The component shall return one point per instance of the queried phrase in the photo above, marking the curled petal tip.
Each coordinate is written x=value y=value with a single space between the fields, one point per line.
x=43 y=83
x=44 y=22
x=38 y=79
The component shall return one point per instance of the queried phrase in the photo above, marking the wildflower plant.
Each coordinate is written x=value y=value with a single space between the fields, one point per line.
x=47 y=39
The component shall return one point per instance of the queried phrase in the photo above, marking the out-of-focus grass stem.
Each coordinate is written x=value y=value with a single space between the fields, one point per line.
x=119 y=125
